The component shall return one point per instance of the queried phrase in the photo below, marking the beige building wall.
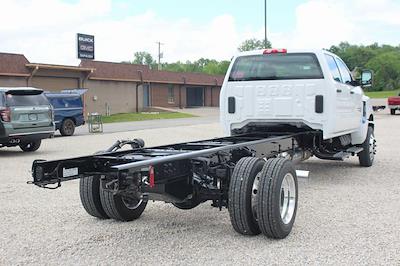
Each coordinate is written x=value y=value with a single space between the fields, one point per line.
x=13 y=81
x=54 y=83
x=120 y=97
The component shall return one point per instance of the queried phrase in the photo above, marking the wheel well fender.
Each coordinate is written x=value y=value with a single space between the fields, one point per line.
x=72 y=118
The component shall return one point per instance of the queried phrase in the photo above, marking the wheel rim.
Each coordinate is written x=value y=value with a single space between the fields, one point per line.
x=131 y=203
x=372 y=147
x=254 y=195
x=287 y=198
x=68 y=127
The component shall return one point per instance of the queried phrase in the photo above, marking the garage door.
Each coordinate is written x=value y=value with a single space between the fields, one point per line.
x=54 y=84
x=194 y=96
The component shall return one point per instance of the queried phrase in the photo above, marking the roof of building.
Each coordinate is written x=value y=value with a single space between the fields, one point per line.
x=13 y=65
x=59 y=67
x=18 y=65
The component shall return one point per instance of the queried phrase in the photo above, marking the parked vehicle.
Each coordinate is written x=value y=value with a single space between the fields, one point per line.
x=26 y=117
x=394 y=104
x=68 y=111
x=278 y=107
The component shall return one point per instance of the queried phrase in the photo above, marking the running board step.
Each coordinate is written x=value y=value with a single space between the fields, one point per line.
x=349 y=152
x=341 y=155
x=354 y=150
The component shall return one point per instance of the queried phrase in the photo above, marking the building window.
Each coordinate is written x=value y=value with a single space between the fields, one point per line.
x=171 y=97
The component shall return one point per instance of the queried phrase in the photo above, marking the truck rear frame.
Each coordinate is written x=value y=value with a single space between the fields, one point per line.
x=250 y=174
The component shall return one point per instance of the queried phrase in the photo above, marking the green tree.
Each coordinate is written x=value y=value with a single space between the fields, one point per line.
x=253 y=44
x=384 y=60
x=386 y=67
x=143 y=58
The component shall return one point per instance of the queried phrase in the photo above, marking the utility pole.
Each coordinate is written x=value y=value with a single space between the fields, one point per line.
x=160 y=55
x=265 y=24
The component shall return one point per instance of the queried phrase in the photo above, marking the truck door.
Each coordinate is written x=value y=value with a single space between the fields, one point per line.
x=344 y=115
x=353 y=97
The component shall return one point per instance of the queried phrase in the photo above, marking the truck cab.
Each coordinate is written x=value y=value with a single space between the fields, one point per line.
x=294 y=90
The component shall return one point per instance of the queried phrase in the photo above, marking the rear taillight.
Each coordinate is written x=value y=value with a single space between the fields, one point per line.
x=5 y=114
x=275 y=51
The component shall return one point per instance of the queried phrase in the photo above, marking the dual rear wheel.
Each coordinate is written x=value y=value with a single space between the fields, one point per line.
x=263 y=197
x=103 y=204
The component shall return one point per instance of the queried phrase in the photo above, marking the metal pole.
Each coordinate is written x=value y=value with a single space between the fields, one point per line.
x=265 y=24
x=159 y=55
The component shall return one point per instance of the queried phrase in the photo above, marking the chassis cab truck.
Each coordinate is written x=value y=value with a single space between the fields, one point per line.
x=278 y=107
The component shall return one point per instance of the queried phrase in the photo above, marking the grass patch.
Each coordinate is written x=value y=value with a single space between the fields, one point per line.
x=128 y=117
x=381 y=94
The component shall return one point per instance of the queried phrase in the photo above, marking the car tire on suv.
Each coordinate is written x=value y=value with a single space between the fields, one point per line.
x=30 y=146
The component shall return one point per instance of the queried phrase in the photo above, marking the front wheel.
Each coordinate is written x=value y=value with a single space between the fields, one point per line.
x=392 y=111
x=367 y=156
x=30 y=146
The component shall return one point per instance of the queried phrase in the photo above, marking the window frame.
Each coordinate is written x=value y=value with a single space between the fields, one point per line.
x=339 y=60
x=311 y=55
x=171 y=94
x=329 y=69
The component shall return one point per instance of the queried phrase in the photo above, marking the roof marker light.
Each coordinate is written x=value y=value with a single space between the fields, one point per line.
x=275 y=51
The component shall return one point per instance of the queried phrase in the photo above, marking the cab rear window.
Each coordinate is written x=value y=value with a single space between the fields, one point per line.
x=276 y=67
x=26 y=100
x=65 y=102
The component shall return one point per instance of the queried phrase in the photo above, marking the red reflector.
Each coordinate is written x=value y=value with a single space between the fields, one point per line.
x=151 y=176
x=275 y=51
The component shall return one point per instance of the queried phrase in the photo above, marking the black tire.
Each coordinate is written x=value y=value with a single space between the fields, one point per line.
x=392 y=111
x=187 y=205
x=240 y=195
x=115 y=206
x=30 y=146
x=367 y=156
x=89 y=191
x=67 y=127
x=269 y=199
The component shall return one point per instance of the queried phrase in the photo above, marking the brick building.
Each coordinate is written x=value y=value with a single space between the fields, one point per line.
x=116 y=87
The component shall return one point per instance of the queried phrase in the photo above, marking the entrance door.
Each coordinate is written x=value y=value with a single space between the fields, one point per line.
x=146 y=95
x=194 y=96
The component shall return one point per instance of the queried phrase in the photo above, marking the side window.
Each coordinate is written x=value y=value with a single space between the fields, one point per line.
x=333 y=68
x=346 y=76
x=1 y=100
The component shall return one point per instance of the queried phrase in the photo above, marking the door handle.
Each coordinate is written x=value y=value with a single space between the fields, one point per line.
x=351 y=92
x=338 y=90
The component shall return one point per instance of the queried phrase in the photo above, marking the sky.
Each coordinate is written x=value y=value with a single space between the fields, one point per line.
x=45 y=30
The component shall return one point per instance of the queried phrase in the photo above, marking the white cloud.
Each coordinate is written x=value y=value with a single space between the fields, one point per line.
x=322 y=23
x=45 y=30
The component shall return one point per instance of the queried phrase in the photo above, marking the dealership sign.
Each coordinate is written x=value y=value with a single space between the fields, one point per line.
x=85 y=46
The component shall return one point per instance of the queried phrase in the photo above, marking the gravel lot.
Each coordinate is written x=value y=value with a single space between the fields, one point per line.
x=347 y=214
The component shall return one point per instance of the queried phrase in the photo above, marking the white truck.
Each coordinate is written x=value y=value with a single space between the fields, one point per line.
x=300 y=90
x=278 y=107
